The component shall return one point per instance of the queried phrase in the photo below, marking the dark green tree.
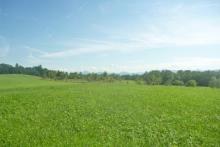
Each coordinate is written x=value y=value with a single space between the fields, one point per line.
x=153 y=78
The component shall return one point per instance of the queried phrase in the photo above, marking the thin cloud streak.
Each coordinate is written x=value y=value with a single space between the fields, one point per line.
x=134 y=44
x=175 y=31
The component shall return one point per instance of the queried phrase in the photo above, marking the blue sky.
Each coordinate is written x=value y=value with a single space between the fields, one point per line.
x=111 y=35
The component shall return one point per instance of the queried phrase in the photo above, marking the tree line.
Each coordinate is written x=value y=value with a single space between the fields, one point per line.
x=156 y=77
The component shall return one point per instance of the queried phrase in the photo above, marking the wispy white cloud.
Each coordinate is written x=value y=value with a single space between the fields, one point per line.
x=188 y=36
x=177 y=26
x=34 y=50
x=88 y=46
x=193 y=34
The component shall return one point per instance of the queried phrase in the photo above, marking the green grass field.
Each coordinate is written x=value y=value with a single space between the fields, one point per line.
x=37 y=112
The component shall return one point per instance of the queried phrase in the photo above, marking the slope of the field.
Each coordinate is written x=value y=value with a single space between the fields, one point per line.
x=37 y=112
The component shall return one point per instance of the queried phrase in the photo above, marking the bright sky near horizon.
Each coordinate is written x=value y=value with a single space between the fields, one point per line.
x=111 y=35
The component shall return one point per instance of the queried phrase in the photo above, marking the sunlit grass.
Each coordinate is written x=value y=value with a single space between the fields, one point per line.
x=37 y=112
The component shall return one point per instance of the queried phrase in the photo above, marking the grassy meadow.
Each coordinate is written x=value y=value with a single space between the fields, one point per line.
x=38 y=112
